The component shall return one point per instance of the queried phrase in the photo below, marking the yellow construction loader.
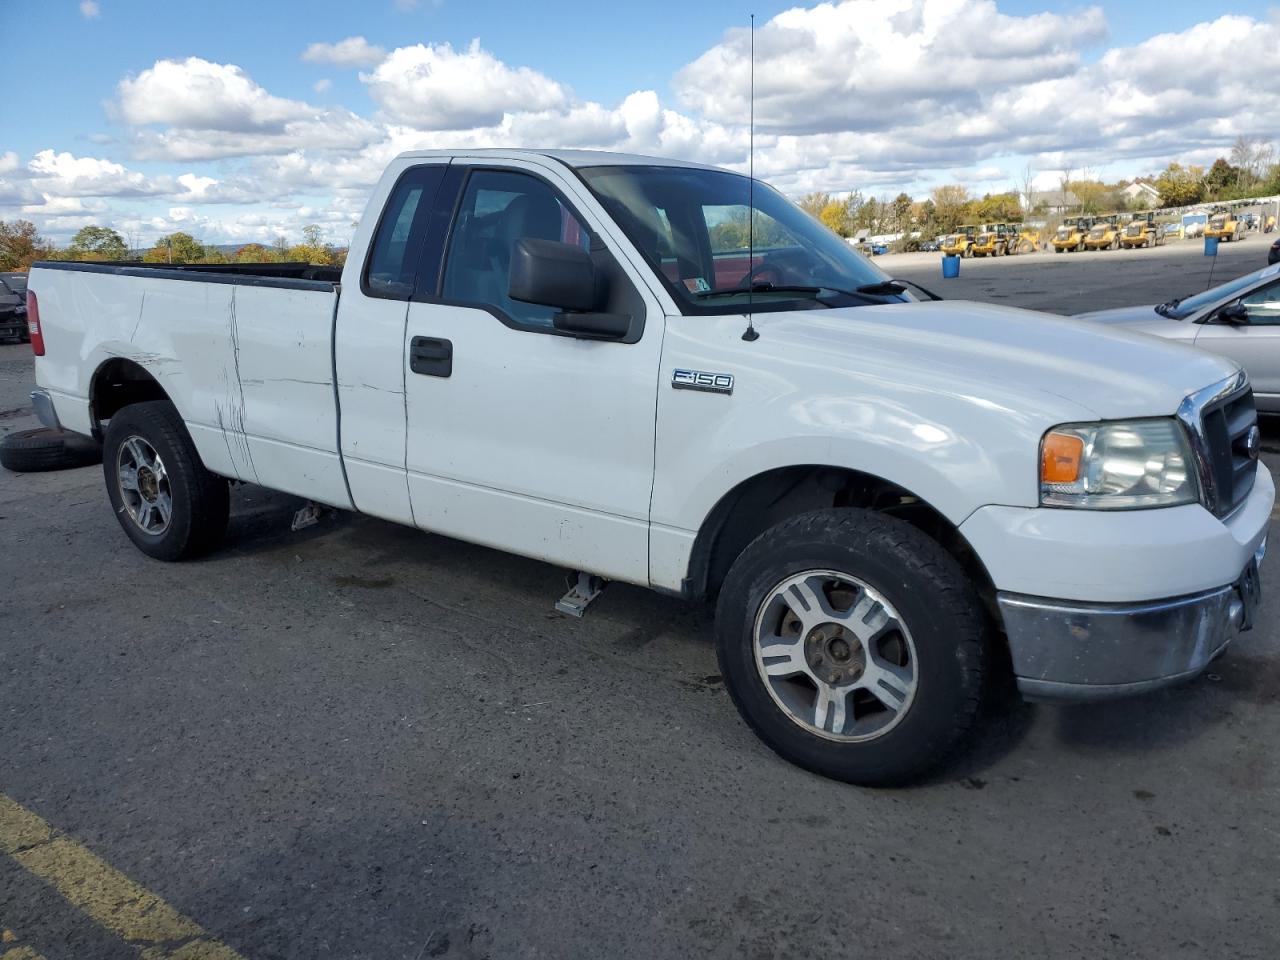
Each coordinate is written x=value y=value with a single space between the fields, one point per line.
x=1070 y=236
x=1142 y=231
x=992 y=241
x=1022 y=239
x=1104 y=234
x=1224 y=225
x=957 y=244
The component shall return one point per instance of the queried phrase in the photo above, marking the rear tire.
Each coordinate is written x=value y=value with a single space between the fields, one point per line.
x=888 y=713
x=168 y=504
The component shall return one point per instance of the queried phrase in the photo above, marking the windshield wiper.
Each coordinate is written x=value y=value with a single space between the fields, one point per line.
x=1166 y=309
x=894 y=287
x=763 y=287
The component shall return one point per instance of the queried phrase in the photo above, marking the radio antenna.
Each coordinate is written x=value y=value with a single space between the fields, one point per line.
x=750 y=333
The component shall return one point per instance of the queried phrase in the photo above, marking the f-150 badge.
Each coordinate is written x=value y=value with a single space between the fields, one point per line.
x=701 y=380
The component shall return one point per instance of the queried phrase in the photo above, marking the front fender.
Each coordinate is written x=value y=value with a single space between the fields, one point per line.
x=958 y=445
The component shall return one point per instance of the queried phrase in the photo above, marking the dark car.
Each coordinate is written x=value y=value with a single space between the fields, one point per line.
x=1273 y=255
x=13 y=307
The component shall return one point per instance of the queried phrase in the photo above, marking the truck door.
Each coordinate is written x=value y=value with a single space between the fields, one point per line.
x=520 y=436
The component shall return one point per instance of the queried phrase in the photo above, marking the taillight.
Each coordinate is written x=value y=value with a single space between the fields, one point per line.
x=33 y=324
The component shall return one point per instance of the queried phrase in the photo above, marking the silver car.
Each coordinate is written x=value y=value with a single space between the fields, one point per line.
x=1239 y=319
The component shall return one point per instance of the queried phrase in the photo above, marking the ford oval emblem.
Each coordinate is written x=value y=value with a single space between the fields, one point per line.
x=1253 y=442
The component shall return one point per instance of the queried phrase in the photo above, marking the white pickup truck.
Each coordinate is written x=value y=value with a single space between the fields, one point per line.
x=582 y=357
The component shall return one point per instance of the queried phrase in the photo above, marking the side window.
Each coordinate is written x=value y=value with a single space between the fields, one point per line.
x=393 y=255
x=1264 y=306
x=498 y=208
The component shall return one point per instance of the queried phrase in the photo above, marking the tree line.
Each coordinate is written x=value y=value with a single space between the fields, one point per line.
x=21 y=245
x=1251 y=170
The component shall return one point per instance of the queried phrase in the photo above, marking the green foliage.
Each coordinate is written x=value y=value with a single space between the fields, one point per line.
x=1180 y=186
x=997 y=208
x=951 y=206
x=21 y=245
x=97 y=243
x=1092 y=194
x=835 y=215
x=177 y=248
x=732 y=234
x=256 y=253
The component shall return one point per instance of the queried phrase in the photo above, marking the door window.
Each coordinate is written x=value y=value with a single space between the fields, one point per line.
x=498 y=208
x=393 y=256
x=1263 y=306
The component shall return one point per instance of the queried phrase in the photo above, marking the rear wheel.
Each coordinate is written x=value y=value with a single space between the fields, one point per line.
x=853 y=645
x=168 y=504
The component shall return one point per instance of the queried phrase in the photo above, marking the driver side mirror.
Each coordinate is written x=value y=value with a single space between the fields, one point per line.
x=1233 y=314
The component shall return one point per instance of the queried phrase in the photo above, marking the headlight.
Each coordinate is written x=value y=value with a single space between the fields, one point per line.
x=1121 y=465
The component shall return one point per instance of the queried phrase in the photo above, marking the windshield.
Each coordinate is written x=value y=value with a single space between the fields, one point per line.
x=691 y=225
x=1186 y=306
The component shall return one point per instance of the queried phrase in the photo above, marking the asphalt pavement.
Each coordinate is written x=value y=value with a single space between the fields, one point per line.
x=361 y=741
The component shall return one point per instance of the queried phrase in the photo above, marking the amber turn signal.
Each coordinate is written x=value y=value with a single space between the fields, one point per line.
x=1060 y=456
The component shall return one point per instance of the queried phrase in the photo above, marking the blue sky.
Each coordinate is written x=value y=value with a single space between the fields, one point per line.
x=834 y=115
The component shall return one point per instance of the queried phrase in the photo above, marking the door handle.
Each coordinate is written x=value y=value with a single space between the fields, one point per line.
x=431 y=356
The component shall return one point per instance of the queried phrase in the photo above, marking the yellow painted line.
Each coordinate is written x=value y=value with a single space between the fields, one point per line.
x=110 y=898
x=10 y=949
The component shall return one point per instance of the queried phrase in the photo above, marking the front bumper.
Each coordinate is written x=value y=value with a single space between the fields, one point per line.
x=1064 y=650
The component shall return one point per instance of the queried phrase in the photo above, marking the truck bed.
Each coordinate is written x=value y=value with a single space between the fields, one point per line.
x=244 y=351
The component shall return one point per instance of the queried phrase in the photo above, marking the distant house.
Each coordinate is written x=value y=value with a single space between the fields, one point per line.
x=1053 y=201
x=1142 y=193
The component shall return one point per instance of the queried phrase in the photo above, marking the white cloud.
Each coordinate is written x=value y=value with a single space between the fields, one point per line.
x=871 y=64
x=435 y=87
x=351 y=52
x=66 y=175
x=322 y=85
x=213 y=110
x=201 y=95
x=89 y=9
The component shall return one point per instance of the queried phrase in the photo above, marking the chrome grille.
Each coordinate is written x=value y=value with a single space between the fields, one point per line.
x=1223 y=422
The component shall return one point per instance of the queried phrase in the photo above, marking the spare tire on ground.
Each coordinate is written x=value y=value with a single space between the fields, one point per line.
x=32 y=451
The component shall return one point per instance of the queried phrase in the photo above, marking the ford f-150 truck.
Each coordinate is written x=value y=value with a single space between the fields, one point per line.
x=591 y=359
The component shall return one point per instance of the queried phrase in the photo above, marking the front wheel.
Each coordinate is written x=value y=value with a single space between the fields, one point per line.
x=168 y=504
x=853 y=645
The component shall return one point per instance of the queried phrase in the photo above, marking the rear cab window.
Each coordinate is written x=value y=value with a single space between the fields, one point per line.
x=391 y=267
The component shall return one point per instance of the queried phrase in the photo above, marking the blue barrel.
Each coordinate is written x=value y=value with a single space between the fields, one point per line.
x=1210 y=246
x=950 y=267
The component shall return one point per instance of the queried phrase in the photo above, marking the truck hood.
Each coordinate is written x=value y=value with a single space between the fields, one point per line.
x=968 y=347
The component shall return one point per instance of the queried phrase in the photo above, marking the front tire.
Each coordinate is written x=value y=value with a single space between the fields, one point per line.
x=168 y=504
x=853 y=645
